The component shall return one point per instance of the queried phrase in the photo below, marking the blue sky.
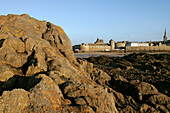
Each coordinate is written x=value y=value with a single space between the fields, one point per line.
x=85 y=20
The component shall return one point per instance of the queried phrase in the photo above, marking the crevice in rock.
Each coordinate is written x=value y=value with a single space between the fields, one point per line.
x=25 y=52
x=146 y=97
x=117 y=85
x=30 y=60
x=0 y=27
x=160 y=86
x=23 y=40
x=49 y=64
x=48 y=25
x=94 y=109
x=62 y=53
x=43 y=35
x=1 y=42
x=73 y=103
x=54 y=40
x=57 y=47
x=17 y=81
x=46 y=57
x=151 y=104
x=5 y=56
x=42 y=72
x=61 y=42
x=45 y=32
x=62 y=86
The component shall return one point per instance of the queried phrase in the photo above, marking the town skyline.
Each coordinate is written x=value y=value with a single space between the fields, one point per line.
x=126 y=46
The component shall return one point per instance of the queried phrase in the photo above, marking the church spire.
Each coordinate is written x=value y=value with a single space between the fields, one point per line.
x=165 y=36
x=165 y=33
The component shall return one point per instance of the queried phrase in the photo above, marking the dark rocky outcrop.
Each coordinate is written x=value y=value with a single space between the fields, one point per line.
x=139 y=82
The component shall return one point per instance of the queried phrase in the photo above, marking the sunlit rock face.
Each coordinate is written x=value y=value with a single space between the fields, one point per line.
x=39 y=73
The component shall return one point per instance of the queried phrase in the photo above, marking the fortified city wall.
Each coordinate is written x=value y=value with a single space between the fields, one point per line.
x=99 y=45
x=95 y=48
x=119 y=45
x=127 y=46
x=147 y=48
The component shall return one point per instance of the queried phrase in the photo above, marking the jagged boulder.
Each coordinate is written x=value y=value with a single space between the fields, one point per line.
x=39 y=73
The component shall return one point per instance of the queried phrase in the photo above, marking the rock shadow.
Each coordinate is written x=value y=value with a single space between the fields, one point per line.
x=23 y=82
x=1 y=42
x=162 y=86
x=125 y=88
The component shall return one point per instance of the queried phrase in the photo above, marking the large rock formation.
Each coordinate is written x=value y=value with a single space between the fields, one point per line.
x=39 y=73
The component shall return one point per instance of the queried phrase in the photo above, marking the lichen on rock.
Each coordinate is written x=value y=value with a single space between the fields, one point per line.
x=39 y=73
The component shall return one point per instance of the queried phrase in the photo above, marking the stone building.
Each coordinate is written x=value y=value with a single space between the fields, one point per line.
x=120 y=45
x=165 y=38
x=137 y=44
x=99 y=45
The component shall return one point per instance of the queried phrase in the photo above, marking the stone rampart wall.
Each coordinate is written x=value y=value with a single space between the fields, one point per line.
x=84 y=48
x=99 y=48
x=119 y=45
x=94 y=48
x=149 y=48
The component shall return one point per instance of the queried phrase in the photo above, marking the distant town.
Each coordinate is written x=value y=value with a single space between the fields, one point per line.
x=126 y=46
